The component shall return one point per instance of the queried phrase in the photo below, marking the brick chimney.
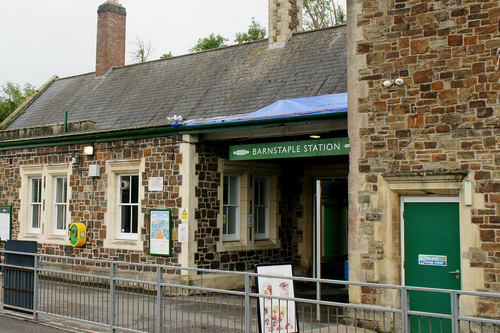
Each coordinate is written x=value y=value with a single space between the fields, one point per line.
x=285 y=17
x=110 y=36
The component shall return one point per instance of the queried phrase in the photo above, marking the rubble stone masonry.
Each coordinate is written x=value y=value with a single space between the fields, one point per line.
x=444 y=118
x=88 y=202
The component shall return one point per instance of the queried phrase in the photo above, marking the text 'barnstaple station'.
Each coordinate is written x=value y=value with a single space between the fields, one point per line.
x=310 y=148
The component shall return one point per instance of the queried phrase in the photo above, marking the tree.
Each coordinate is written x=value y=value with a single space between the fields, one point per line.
x=166 y=56
x=12 y=96
x=255 y=32
x=322 y=13
x=209 y=43
x=144 y=50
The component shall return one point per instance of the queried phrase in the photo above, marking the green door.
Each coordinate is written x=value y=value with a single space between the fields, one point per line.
x=431 y=257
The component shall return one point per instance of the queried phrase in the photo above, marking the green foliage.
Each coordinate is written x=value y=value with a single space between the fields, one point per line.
x=12 y=96
x=255 y=32
x=322 y=13
x=143 y=51
x=166 y=56
x=208 y=43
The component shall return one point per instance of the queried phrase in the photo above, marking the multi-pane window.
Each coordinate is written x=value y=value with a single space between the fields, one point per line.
x=35 y=204
x=128 y=206
x=231 y=208
x=60 y=203
x=261 y=207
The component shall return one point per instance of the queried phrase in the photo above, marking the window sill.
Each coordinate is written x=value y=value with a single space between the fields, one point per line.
x=131 y=242
x=57 y=237
x=231 y=246
x=243 y=246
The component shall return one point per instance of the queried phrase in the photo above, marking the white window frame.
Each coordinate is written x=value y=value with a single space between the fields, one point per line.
x=236 y=235
x=261 y=204
x=35 y=204
x=120 y=233
x=247 y=240
x=58 y=205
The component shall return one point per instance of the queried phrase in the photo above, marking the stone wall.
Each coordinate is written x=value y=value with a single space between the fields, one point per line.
x=208 y=233
x=162 y=159
x=444 y=118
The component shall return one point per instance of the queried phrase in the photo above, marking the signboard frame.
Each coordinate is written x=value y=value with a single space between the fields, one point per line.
x=5 y=223
x=290 y=149
x=276 y=314
x=432 y=260
x=160 y=246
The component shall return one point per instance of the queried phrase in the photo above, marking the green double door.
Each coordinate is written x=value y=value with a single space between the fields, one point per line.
x=431 y=257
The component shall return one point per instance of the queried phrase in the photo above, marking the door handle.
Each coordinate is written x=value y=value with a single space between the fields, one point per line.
x=455 y=272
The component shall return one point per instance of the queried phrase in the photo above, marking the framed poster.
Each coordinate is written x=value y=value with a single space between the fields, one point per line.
x=5 y=222
x=160 y=230
x=276 y=315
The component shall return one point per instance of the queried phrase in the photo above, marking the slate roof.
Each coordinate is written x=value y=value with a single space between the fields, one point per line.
x=234 y=80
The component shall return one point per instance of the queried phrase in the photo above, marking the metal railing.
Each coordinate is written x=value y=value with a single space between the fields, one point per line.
x=139 y=297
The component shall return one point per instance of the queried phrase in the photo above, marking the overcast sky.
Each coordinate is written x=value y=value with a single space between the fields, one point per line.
x=58 y=37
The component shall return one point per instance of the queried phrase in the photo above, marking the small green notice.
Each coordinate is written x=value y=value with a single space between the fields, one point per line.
x=290 y=149
x=432 y=260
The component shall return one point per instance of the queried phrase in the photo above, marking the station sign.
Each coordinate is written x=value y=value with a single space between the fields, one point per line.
x=289 y=149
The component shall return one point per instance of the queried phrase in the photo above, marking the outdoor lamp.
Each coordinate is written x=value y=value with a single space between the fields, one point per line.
x=88 y=150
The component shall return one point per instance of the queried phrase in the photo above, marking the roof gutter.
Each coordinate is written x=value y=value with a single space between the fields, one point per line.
x=168 y=130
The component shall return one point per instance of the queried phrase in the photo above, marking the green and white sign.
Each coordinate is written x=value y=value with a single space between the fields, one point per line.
x=432 y=260
x=289 y=149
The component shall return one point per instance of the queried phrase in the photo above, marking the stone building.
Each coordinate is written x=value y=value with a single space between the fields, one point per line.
x=168 y=135
x=424 y=181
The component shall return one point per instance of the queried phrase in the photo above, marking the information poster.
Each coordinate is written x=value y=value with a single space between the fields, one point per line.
x=5 y=222
x=160 y=238
x=276 y=314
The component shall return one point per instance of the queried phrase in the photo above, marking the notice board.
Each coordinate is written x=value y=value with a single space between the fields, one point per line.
x=275 y=314
x=160 y=229
x=5 y=222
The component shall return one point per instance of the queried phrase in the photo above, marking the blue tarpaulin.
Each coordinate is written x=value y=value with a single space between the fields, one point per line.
x=287 y=108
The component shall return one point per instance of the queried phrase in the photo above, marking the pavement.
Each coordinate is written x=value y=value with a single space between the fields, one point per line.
x=13 y=322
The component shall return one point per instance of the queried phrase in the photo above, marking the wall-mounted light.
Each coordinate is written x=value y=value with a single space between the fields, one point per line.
x=315 y=136
x=76 y=161
x=398 y=82
x=387 y=84
x=88 y=150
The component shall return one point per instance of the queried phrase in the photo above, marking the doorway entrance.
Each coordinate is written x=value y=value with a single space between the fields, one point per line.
x=431 y=256
x=331 y=233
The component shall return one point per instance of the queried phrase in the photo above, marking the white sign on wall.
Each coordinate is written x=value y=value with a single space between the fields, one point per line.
x=183 y=233
x=155 y=184
x=5 y=219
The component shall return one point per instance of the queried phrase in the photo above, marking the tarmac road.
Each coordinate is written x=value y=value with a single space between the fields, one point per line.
x=15 y=324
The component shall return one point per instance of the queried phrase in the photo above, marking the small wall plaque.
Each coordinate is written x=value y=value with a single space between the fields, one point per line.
x=155 y=184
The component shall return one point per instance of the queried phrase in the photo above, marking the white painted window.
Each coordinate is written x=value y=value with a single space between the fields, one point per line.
x=231 y=208
x=60 y=204
x=261 y=207
x=128 y=206
x=35 y=204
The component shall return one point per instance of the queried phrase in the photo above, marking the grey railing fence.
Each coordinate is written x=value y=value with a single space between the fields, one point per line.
x=139 y=297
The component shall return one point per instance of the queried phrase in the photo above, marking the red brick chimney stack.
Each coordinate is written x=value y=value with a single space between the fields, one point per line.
x=110 y=36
